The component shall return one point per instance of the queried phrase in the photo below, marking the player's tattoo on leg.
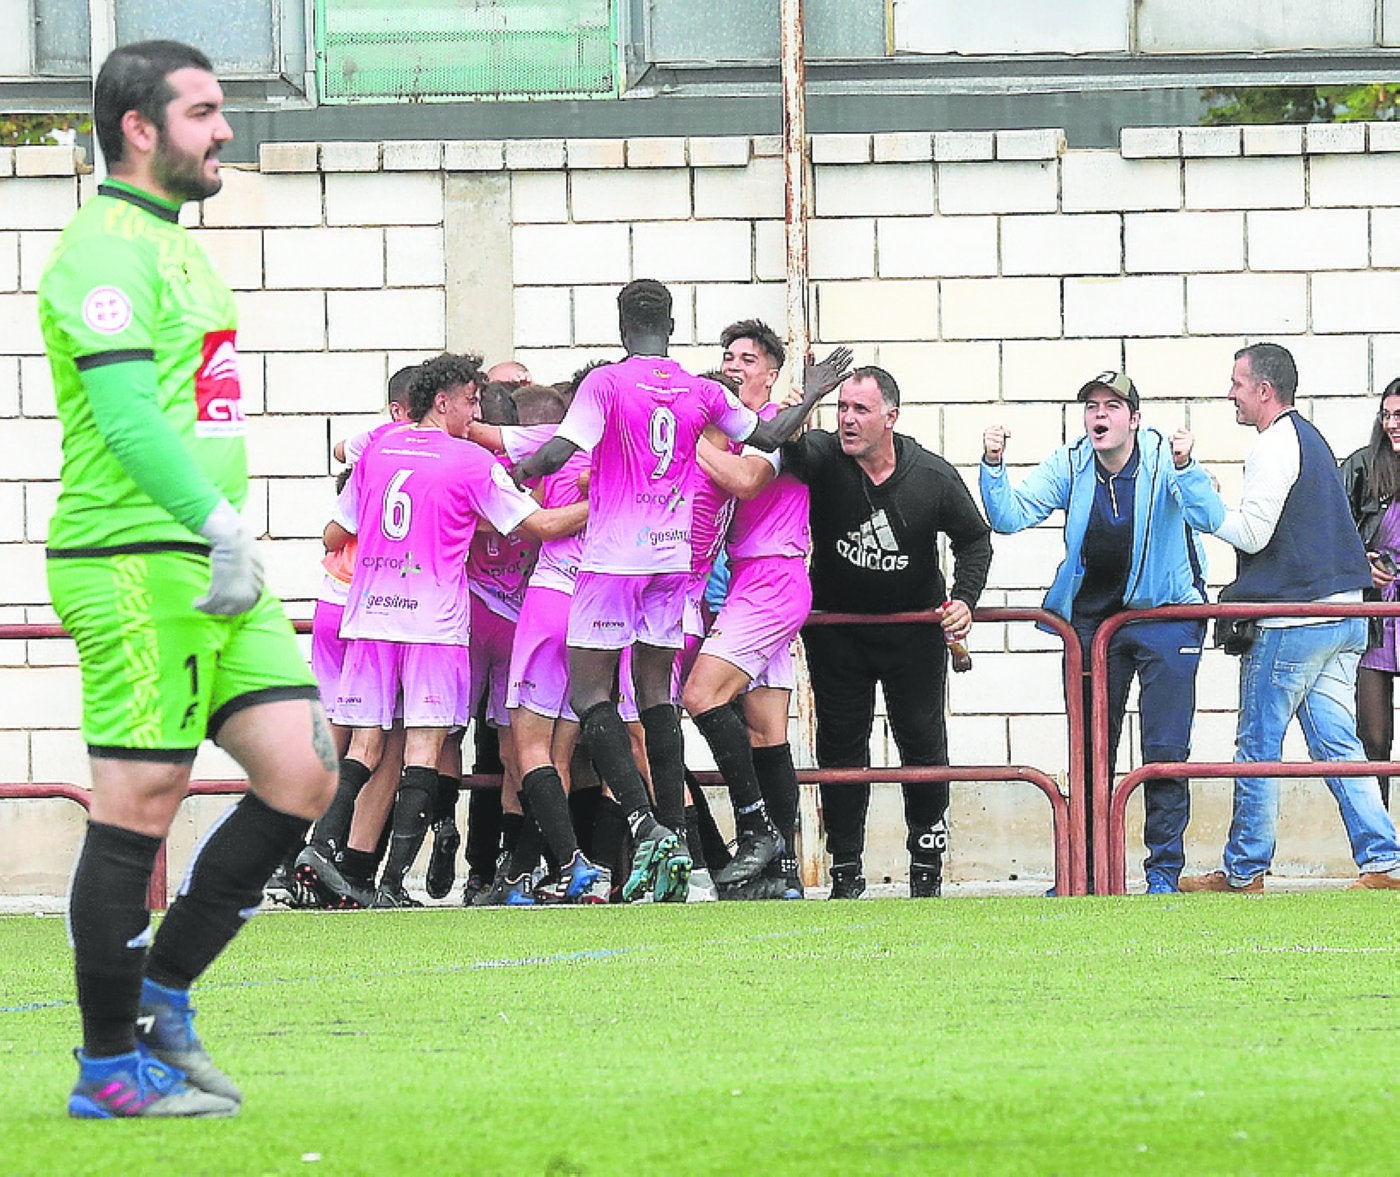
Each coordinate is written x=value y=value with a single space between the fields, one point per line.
x=321 y=739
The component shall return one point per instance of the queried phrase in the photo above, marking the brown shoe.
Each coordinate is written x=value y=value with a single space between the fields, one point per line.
x=1217 y=880
x=1377 y=881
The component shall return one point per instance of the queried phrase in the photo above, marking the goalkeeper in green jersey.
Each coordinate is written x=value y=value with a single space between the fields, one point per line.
x=157 y=577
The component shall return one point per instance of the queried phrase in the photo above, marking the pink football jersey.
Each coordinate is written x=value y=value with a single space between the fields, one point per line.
x=641 y=419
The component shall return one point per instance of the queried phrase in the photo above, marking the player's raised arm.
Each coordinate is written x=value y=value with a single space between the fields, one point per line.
x=817 y=381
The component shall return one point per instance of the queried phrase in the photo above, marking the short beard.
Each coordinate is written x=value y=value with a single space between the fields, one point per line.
x=183 y=177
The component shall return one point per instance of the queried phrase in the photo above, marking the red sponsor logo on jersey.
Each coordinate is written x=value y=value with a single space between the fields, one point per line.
x=217 y=393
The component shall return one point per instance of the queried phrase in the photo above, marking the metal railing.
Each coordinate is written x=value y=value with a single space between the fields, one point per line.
x=1110 y=801
x=1066 y=815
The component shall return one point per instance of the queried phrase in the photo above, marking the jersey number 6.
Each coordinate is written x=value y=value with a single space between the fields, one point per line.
x=398 y=507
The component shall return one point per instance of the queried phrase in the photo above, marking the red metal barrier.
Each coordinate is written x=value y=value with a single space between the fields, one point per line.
x=1076 y=869
x=1067 y=817
x=158 y=888
x=1110 y=802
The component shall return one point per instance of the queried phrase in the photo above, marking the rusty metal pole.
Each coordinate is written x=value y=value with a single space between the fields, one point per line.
x=797 y=186
x=797 y=207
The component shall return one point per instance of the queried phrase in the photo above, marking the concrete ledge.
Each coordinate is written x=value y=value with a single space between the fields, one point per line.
x=410 y=155
x=283 y=158
x=47 y=161
x=350 y=157
x=1040 y=143
x=473 y=155
x=596 y=153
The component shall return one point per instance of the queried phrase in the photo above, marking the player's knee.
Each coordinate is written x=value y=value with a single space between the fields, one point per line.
x=312 y=794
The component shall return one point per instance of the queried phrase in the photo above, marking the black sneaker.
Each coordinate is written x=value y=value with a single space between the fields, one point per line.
x=473 y=887
x=442 y=863
x=763 y=887
x=389 y=897
x=335 y=890
x=847 y=884
x=495 y=894
x=925 y=882
x=753 y=853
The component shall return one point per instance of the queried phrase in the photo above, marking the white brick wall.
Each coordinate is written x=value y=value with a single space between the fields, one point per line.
x=1056 y=244
x=916 y=247
x=1253 y=304
x=1182 y=242
x=1006 y=308
x=991 y=285
x=1309 y=239
x=1019 y=187
x=1244 y=183
x=1123 y=306
x=323 y=259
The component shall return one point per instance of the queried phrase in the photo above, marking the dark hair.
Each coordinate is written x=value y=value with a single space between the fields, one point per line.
x=1271 y=362
x=760 y=333
x=497 y=404
x=720 y=378
x=570 y=386
x=539 y=404
x=1382 y=462
x=645 y=305
x=343 y=477
x=888 y=388
x=398 y=385
x=134 y=77
x=438 y=375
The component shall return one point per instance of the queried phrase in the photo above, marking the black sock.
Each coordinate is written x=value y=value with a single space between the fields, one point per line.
x=110 y=926
x=609 y=833
x=666 y=755
x=484 y=831
x=381 y=845
x=542 y=791
x=511 y=825
x=583 y=809
x=333 y=830
x=409 y=823
x=603 y=733
x=525 y=854
x=713 y=845
x=359 y=865
x=728 y=738
x=694 y=842
x=449 y=788
x=222 y=890
x=777 y=780
x=486 y=745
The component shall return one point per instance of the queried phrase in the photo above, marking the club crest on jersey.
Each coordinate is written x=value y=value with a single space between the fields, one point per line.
x=107 y=310
x=218 y=394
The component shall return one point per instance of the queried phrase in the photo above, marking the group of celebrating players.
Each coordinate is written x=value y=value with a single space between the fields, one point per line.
x=536 y=558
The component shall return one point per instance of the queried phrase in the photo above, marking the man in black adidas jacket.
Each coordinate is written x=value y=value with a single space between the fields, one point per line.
x=879 y=501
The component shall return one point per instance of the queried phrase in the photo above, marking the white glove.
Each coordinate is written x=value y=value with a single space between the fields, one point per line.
x=235 y=568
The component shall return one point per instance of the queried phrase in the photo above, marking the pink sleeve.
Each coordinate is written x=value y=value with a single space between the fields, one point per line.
x=583 y=424
x=498 y=500
x=520 y=441
x=730 y=415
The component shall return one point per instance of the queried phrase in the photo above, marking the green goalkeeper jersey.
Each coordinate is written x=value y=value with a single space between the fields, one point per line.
x=140 y=333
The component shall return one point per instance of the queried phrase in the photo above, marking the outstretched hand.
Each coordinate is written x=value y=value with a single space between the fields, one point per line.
x=819 y=379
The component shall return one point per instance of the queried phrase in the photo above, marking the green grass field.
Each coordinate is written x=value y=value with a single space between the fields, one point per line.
x=1201 y=1035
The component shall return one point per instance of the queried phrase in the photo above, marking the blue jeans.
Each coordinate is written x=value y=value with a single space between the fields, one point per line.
x=1163 y=656
x=1308 y=671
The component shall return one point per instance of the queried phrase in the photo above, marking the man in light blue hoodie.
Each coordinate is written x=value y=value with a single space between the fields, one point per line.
x=1134 y=501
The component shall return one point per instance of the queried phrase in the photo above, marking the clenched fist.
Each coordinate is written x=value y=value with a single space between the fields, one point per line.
x=1182 y=442
x=994 y=444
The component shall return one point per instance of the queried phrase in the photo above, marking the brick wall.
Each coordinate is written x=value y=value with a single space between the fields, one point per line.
x=992 y=273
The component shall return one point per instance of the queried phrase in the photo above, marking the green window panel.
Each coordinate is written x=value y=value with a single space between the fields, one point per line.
x=441 y=50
